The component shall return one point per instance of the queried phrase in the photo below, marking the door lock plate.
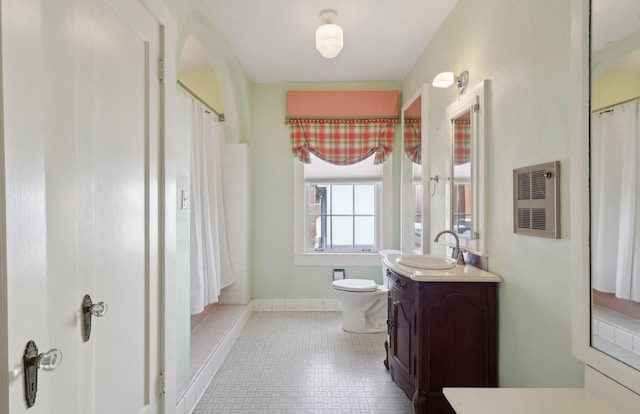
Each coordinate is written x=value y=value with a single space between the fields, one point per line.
x=90 y=309
x=30 y=373
x=32 y=361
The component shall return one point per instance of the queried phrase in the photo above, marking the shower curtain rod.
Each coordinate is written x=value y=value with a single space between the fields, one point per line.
x=199 y=99
x=604 y=108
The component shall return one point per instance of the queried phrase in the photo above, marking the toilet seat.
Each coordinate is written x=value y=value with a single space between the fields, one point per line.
x=355 y=285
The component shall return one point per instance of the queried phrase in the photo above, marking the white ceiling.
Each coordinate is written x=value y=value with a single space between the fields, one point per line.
x=274 y=40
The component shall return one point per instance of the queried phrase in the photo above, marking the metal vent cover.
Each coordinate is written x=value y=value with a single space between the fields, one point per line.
x=536 y=202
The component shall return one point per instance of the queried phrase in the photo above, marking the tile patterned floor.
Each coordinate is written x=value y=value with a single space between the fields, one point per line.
x=303 y=362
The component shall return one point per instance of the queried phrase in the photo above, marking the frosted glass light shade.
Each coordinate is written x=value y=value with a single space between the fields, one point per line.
x=329 y=40
x=444 y=80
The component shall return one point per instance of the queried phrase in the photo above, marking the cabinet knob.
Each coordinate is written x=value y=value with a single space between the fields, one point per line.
x=401 y=285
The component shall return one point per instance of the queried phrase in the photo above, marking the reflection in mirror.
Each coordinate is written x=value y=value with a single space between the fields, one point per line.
x=615 y=179
x=412 y=195
x=465 y=198
x=462 y=203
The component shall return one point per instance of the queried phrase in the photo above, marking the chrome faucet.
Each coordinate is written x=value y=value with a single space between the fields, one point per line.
x=457 y=253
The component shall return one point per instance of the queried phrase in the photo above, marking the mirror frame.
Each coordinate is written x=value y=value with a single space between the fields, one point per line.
x=406 y=177
x=467 y=103
x=580 y=220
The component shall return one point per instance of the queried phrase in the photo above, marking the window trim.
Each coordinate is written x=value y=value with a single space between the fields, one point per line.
x=300 y=258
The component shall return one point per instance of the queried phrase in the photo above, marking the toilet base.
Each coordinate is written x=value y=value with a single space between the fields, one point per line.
x=358 y=322
x=364 y=312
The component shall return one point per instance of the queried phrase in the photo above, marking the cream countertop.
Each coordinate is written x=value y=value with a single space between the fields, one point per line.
x=460 y=273
x=525 y=401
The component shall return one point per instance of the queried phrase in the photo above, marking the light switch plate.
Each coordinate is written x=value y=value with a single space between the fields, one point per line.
x=185 y=199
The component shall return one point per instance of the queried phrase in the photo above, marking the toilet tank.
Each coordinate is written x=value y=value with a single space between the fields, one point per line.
x=383 y=254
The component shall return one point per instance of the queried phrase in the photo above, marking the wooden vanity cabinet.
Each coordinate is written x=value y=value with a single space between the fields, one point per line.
x=402 y=339
x=441 y=334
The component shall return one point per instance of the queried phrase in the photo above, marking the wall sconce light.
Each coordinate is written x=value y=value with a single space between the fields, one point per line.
x=329 y=40
x=446 y=79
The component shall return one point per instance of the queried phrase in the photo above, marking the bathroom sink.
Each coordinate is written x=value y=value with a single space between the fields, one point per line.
x=425 y=261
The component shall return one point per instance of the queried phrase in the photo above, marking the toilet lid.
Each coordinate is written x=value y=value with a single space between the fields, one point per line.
x=355 y=285
x=387 y=252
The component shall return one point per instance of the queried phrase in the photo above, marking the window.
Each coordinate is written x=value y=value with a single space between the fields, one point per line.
x=339 y=212
x=349 y=129
x=342 y=217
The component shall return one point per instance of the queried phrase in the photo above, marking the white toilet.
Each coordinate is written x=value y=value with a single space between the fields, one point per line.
x=364 y=302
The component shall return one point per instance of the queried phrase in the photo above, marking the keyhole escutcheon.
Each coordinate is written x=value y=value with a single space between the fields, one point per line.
x=90 y=309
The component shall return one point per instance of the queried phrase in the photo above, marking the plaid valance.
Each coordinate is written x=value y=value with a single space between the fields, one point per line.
x=342 y=141
x=412 y=140
x=462 y=141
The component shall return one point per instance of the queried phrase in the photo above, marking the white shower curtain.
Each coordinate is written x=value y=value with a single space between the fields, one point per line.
x=615 y=176
x=210 y=264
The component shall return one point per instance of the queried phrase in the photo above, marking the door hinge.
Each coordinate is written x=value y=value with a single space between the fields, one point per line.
x=476 y=107
x=161 y=69
x=162 y=383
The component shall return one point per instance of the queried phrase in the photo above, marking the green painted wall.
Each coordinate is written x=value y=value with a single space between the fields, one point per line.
x=271 y=177
x=523 y=49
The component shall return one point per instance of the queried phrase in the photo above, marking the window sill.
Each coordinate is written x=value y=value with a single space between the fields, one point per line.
x=336 y=259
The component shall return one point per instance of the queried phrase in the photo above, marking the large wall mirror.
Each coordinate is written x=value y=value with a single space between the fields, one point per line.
x=465 y=200
x=412 y=198
x=614 y=174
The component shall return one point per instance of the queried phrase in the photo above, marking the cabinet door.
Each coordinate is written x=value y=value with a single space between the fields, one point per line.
x=461 y=327
x=403 y=340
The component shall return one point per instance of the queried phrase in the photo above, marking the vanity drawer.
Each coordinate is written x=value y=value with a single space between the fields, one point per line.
x=404 y=285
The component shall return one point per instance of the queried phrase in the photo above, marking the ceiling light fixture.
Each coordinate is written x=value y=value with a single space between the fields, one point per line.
x=329 y=40
x=446 y=79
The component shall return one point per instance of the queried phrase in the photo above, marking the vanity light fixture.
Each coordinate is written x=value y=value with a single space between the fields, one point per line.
x=446 y=79
x=329 y=39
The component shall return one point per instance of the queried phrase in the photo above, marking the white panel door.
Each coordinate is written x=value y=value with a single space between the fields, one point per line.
x=122 y=200
x=81 y=143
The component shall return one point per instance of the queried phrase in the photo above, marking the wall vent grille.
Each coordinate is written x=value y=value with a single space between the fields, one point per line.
x=536 y=203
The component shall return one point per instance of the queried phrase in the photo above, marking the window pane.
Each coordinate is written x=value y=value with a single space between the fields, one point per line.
x=317 y=235
x=317 y=198
x=342 y=199
x=365 y=232
x=342 y=236
x=365 y=199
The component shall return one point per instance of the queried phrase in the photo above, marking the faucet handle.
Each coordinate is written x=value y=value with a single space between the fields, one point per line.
x=460 y=257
